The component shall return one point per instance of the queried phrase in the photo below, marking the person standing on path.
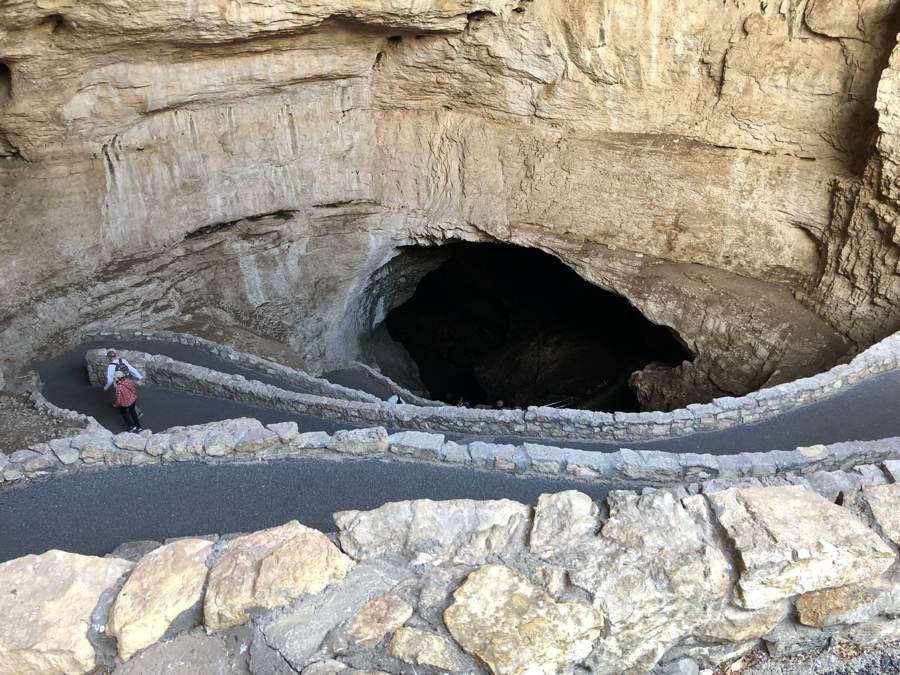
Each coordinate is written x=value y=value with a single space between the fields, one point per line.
x=117 y=363
x=126 y=397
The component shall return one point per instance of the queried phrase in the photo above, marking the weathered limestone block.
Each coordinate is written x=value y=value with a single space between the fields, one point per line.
x=268 y=569
x=46 y=603
x=422 y=648
x=417 y=444
x=732 y=624
x=562 y=519
x=287 y=431
x=360 y=441
x=793 y=541
x=299 y=633
x=655 y=570
x=64 y=452
x=376 y=619
x=256 y=439
x=425 y=531
x=849 y=604
x=884 y=503
x=165 y=583
x=515 y=628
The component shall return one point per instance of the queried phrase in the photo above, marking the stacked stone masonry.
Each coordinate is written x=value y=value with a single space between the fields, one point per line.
x=247 y=439
x=291 y=376
x=504 y=588
x=538 y=422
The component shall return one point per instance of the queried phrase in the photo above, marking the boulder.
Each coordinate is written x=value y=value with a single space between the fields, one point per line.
x=165 y=584
x=46 y=603
x=360 y=441
x=515 y=628
x=376 y=619
x=884 y=503
x=562 y=519
x=298 y=635
x=793 y=541
x=656 y=570
x=459 y=531
x=268 y=569
x=422 y=648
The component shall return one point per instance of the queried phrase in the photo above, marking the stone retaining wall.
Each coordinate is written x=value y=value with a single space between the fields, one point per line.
x=314 y=385
x=535 y=422
x=687 y=581
x=249 y=439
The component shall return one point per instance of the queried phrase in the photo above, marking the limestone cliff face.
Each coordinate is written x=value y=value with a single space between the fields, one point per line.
x=709 y=161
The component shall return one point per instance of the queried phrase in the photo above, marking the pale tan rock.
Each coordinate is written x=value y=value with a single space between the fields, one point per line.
x=268 y=569
x=46 y=604
x=376 y=619
x=422 y=648
x=514 y=627
x=425 y=531
x=735 y=625
x=884 y=502
x=562 y=519
x=656 y=572
x=166 y=582
x=792 y=541
x=854 y=605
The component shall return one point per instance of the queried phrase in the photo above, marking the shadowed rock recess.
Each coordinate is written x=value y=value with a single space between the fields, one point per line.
x=729 y=170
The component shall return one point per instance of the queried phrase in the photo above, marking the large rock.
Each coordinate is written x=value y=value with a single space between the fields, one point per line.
x=884 y=503
x=422 y=648
x=268 y=569
x=562 y=519
x=794 y=541
x=166 y=583
x=376 y=619
x=297 y=636
x=515 y=628
x=655 y=570
x=424 y=531
x=46 y=602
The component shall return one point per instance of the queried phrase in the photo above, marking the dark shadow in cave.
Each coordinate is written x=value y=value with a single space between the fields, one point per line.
x=496 y=322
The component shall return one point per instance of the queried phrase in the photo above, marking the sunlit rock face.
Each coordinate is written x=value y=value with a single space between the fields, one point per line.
x=262 y=163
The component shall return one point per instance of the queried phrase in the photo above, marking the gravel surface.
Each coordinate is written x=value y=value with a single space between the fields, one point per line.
x=882 y=659
x=22 y=425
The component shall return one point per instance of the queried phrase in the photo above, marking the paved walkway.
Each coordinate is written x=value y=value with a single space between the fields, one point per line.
x=91 y=513
x=867 y=411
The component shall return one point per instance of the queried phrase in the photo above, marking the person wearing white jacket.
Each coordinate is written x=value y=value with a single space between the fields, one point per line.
x=115 y=362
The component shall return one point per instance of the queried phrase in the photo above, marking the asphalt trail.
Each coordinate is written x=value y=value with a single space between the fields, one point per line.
x=867 y=411
x=92 y=513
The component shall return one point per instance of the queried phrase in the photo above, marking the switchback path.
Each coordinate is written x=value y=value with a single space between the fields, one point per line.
x=92 y=512
x=867 y=411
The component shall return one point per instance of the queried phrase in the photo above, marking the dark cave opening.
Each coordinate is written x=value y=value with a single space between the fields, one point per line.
x=496 y=322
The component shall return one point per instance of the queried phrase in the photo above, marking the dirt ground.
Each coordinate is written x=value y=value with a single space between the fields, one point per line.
x=21 y=425
x=880 y=659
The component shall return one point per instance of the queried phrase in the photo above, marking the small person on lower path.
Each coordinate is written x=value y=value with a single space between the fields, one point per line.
x=126 y=397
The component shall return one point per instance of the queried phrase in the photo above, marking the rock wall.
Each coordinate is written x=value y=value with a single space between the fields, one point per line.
x=681 y=155
x=537 y=422
x=566 y=585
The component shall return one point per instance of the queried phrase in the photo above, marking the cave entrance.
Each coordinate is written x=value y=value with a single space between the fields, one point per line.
x=496 y=322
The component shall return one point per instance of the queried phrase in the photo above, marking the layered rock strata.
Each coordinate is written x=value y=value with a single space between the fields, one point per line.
x=260 y=166
x=617 y=588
